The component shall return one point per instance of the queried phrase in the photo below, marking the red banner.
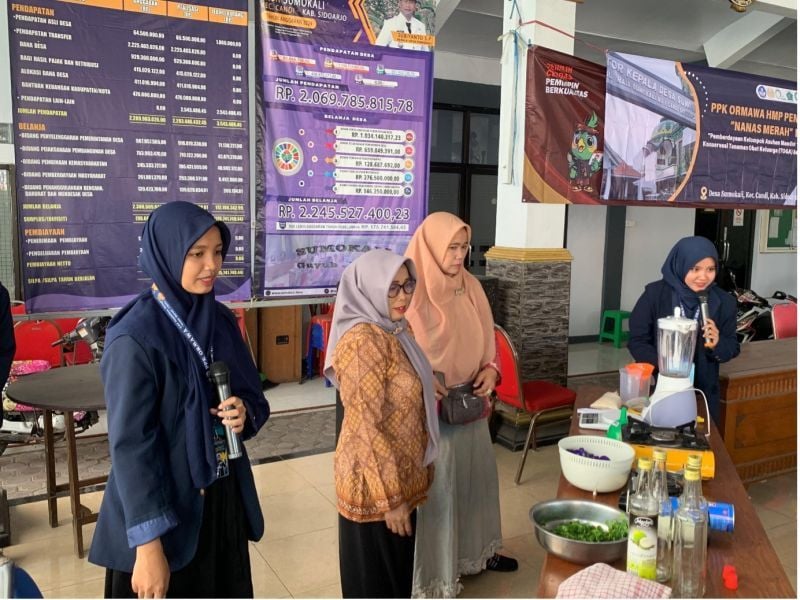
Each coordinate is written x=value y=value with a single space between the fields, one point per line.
x=564 y=115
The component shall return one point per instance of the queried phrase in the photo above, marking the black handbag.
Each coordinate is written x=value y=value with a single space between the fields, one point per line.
x=461 y=406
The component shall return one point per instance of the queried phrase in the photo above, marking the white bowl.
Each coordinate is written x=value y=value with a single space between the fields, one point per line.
x=592 y=474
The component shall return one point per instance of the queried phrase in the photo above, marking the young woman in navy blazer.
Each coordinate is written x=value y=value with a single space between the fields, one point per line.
x=177 y=514
x=690 y=267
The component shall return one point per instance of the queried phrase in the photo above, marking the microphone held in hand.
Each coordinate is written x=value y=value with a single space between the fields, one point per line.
x=220 y=375
x=703 y=297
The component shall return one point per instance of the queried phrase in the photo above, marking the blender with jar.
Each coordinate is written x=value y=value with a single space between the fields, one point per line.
x=673 y=402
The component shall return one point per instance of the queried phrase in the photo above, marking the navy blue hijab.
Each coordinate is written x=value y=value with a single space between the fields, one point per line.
x=170 y=231
x=684 y=255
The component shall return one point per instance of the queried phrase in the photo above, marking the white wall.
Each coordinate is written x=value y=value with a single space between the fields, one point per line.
x=463 y=67
x=650 y=233
x=586 y=230
x=772 y=271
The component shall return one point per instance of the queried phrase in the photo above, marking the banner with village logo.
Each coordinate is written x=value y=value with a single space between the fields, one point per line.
x=697 y=136
x=344 y=119
x=564 y=105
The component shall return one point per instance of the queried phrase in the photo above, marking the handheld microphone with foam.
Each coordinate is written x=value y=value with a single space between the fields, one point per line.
x=219 y=374
x=703 y=297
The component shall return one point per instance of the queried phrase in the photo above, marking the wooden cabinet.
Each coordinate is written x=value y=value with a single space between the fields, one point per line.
x=280 y=344
x=758 y=415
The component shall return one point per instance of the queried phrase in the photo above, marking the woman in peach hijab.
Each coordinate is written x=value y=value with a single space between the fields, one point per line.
x=458 y=529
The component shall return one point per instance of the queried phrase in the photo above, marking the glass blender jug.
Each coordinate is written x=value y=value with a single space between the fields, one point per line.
x=677 y=337
x=673 y=403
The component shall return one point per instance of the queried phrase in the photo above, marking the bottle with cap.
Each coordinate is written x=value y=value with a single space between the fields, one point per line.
x=690 y=536
x=661 y=494
x=693 y=461
x=643 y=524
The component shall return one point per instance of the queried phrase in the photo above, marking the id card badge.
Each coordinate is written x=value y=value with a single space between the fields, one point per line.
x=221 y=451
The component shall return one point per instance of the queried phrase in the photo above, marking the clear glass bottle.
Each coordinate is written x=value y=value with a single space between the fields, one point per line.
x=690 y=536
x=643 y=525
x=661 y=494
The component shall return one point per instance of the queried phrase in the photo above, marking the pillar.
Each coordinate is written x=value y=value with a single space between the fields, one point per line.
x=529 y=259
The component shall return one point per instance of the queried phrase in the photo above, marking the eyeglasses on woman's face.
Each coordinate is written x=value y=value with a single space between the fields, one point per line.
x=408 y=286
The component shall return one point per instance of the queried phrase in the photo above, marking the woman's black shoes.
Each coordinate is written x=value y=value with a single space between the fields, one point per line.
x=503 y=564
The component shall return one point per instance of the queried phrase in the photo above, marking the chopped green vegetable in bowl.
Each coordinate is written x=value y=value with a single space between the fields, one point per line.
x=581 y=531
x=616 y=529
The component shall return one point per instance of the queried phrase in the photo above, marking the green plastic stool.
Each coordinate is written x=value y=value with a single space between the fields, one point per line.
x=616 y=334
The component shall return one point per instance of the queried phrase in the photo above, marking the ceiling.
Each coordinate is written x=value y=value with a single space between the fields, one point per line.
x=761 y=41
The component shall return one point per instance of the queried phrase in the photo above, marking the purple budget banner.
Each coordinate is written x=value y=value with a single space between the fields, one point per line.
x=690 y=135
x=120 y=107
x=345 y=152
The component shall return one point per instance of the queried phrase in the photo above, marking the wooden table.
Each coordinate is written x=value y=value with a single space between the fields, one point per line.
x=747 y=548
x=67 y=390
x=758 y=408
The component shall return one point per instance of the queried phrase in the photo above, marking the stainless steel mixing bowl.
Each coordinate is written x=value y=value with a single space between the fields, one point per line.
x=548 y=515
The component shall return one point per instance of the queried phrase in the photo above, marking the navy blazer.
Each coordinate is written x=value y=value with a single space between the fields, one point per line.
x=657 y=302
x=150 y=477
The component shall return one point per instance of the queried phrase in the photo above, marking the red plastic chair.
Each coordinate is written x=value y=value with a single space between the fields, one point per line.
x=34 y=339
x=784 y=320
x=18 y=308
x=535 y=397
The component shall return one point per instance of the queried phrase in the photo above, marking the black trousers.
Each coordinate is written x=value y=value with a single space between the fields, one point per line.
x=221 y=566
x=373 y=561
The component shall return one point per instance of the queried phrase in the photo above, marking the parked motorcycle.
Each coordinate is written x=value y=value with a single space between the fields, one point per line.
x=754 y=315
x=22 y=424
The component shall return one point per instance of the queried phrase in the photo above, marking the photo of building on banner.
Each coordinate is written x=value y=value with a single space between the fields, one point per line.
x=698 y=136
x=345 y=136
x=564 y=107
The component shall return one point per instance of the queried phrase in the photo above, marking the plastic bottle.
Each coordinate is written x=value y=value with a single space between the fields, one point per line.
x=661 y=494
x=643 y=525
x=690 y=537
x=615 y=429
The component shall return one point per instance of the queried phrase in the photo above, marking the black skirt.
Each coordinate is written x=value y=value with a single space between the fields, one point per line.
x=373 y=561
x=220 y=567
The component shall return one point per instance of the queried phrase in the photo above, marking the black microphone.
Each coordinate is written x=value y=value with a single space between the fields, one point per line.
x=220 y=375
x=703 y=297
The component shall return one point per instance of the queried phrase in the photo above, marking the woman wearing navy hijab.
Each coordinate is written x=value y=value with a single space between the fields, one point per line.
x=690 y=267
x=177 y=514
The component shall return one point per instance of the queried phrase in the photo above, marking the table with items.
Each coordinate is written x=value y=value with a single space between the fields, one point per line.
x=67 y=390
x=747 y=547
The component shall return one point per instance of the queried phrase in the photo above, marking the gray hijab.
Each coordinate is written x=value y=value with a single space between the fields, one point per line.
x=363 y=298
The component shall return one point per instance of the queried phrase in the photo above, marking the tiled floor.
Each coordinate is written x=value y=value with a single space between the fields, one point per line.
x=298 y=555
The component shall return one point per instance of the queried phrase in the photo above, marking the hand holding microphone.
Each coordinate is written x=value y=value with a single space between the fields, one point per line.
x=220 y=377
x=710 y=333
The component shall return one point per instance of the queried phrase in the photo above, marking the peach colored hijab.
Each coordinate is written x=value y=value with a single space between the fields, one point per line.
x=450 y=315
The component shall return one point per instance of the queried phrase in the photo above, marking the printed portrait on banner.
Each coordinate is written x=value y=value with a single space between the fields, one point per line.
x=404 y=24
